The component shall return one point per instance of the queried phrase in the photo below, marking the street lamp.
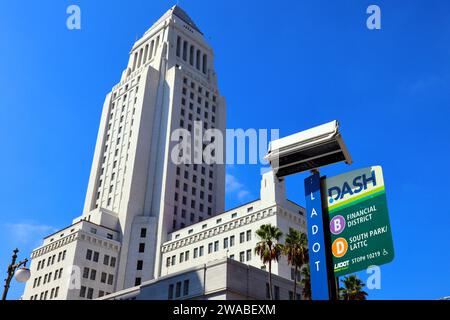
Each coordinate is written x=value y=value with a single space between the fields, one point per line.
x=19 y=270
x=308 y=150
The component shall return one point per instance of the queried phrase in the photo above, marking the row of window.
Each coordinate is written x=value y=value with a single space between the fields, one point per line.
x=44 y=295
x=51 y=260
x=47 y=277
x=244 y=256
x=201 y=102
x=145 y=53
x=199 y=89
x=276 y=293
x=186 y=175
x=94 y=256
x=193 y=55
x=214 y=247
x=117 y=144
x=175 y=290
x=91 y=274
x=86 y=292
x=219 y=221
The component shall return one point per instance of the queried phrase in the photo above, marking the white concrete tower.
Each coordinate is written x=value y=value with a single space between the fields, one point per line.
x=169 y=83
x=135 y=189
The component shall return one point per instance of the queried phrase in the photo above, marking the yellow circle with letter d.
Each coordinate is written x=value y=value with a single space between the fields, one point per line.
x=339 y=247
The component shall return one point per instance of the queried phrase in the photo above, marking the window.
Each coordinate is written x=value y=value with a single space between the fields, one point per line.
x=218 y=221
x=205 y=63
x=143 y=232
x=178 y=290
x=137 y=281
x=210 y=247
x=241 y=256
x=234 y=215
x=106 y=260
x=101 y=293
x=241 y=237
x=109 y=236
x=216 y=246
x=88 y=254
x=96 y=255
x=170 y=293
x=186 y=256
x=191 y=55
x=195 y=253
x=140 y=264
x=232 y=257
x=225 y=243
x=186 y=287
x=249 y=255
x=85 y=273
x=276 y=292
x=231 y=241
x=168 y=262
x=181 y=257
x=178 y=46
x=201 y=252
x=93 y=274
x=249 y=235
x=103 y=277
x=90 y=293
x=82 y=291
x=141 y=247
x=110 y=279
x=113 y=262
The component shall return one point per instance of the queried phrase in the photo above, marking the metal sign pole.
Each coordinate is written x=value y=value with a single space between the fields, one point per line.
x=322 y=281
x=332 y=284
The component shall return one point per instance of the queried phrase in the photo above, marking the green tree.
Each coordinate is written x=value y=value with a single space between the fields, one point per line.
x=268 y=248
x=296 y=251
x=306 y=282
x=352 y=289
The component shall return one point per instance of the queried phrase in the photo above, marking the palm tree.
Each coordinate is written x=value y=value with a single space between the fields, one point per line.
x=268 y=248
x=306 y=282
x=296 y=252
x=352 y=289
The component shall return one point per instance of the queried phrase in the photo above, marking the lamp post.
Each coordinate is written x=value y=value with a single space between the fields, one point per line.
x=311 y=150
x=19 y=270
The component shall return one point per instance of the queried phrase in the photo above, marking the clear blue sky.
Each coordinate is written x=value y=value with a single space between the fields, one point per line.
x=284 y=64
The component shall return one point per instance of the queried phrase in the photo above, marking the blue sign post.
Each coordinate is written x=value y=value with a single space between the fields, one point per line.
x=317 y=242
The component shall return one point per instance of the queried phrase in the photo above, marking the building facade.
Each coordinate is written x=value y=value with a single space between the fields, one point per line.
x=223 y=279
x=154 y=215
x=135 y=188
x=215 y=259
